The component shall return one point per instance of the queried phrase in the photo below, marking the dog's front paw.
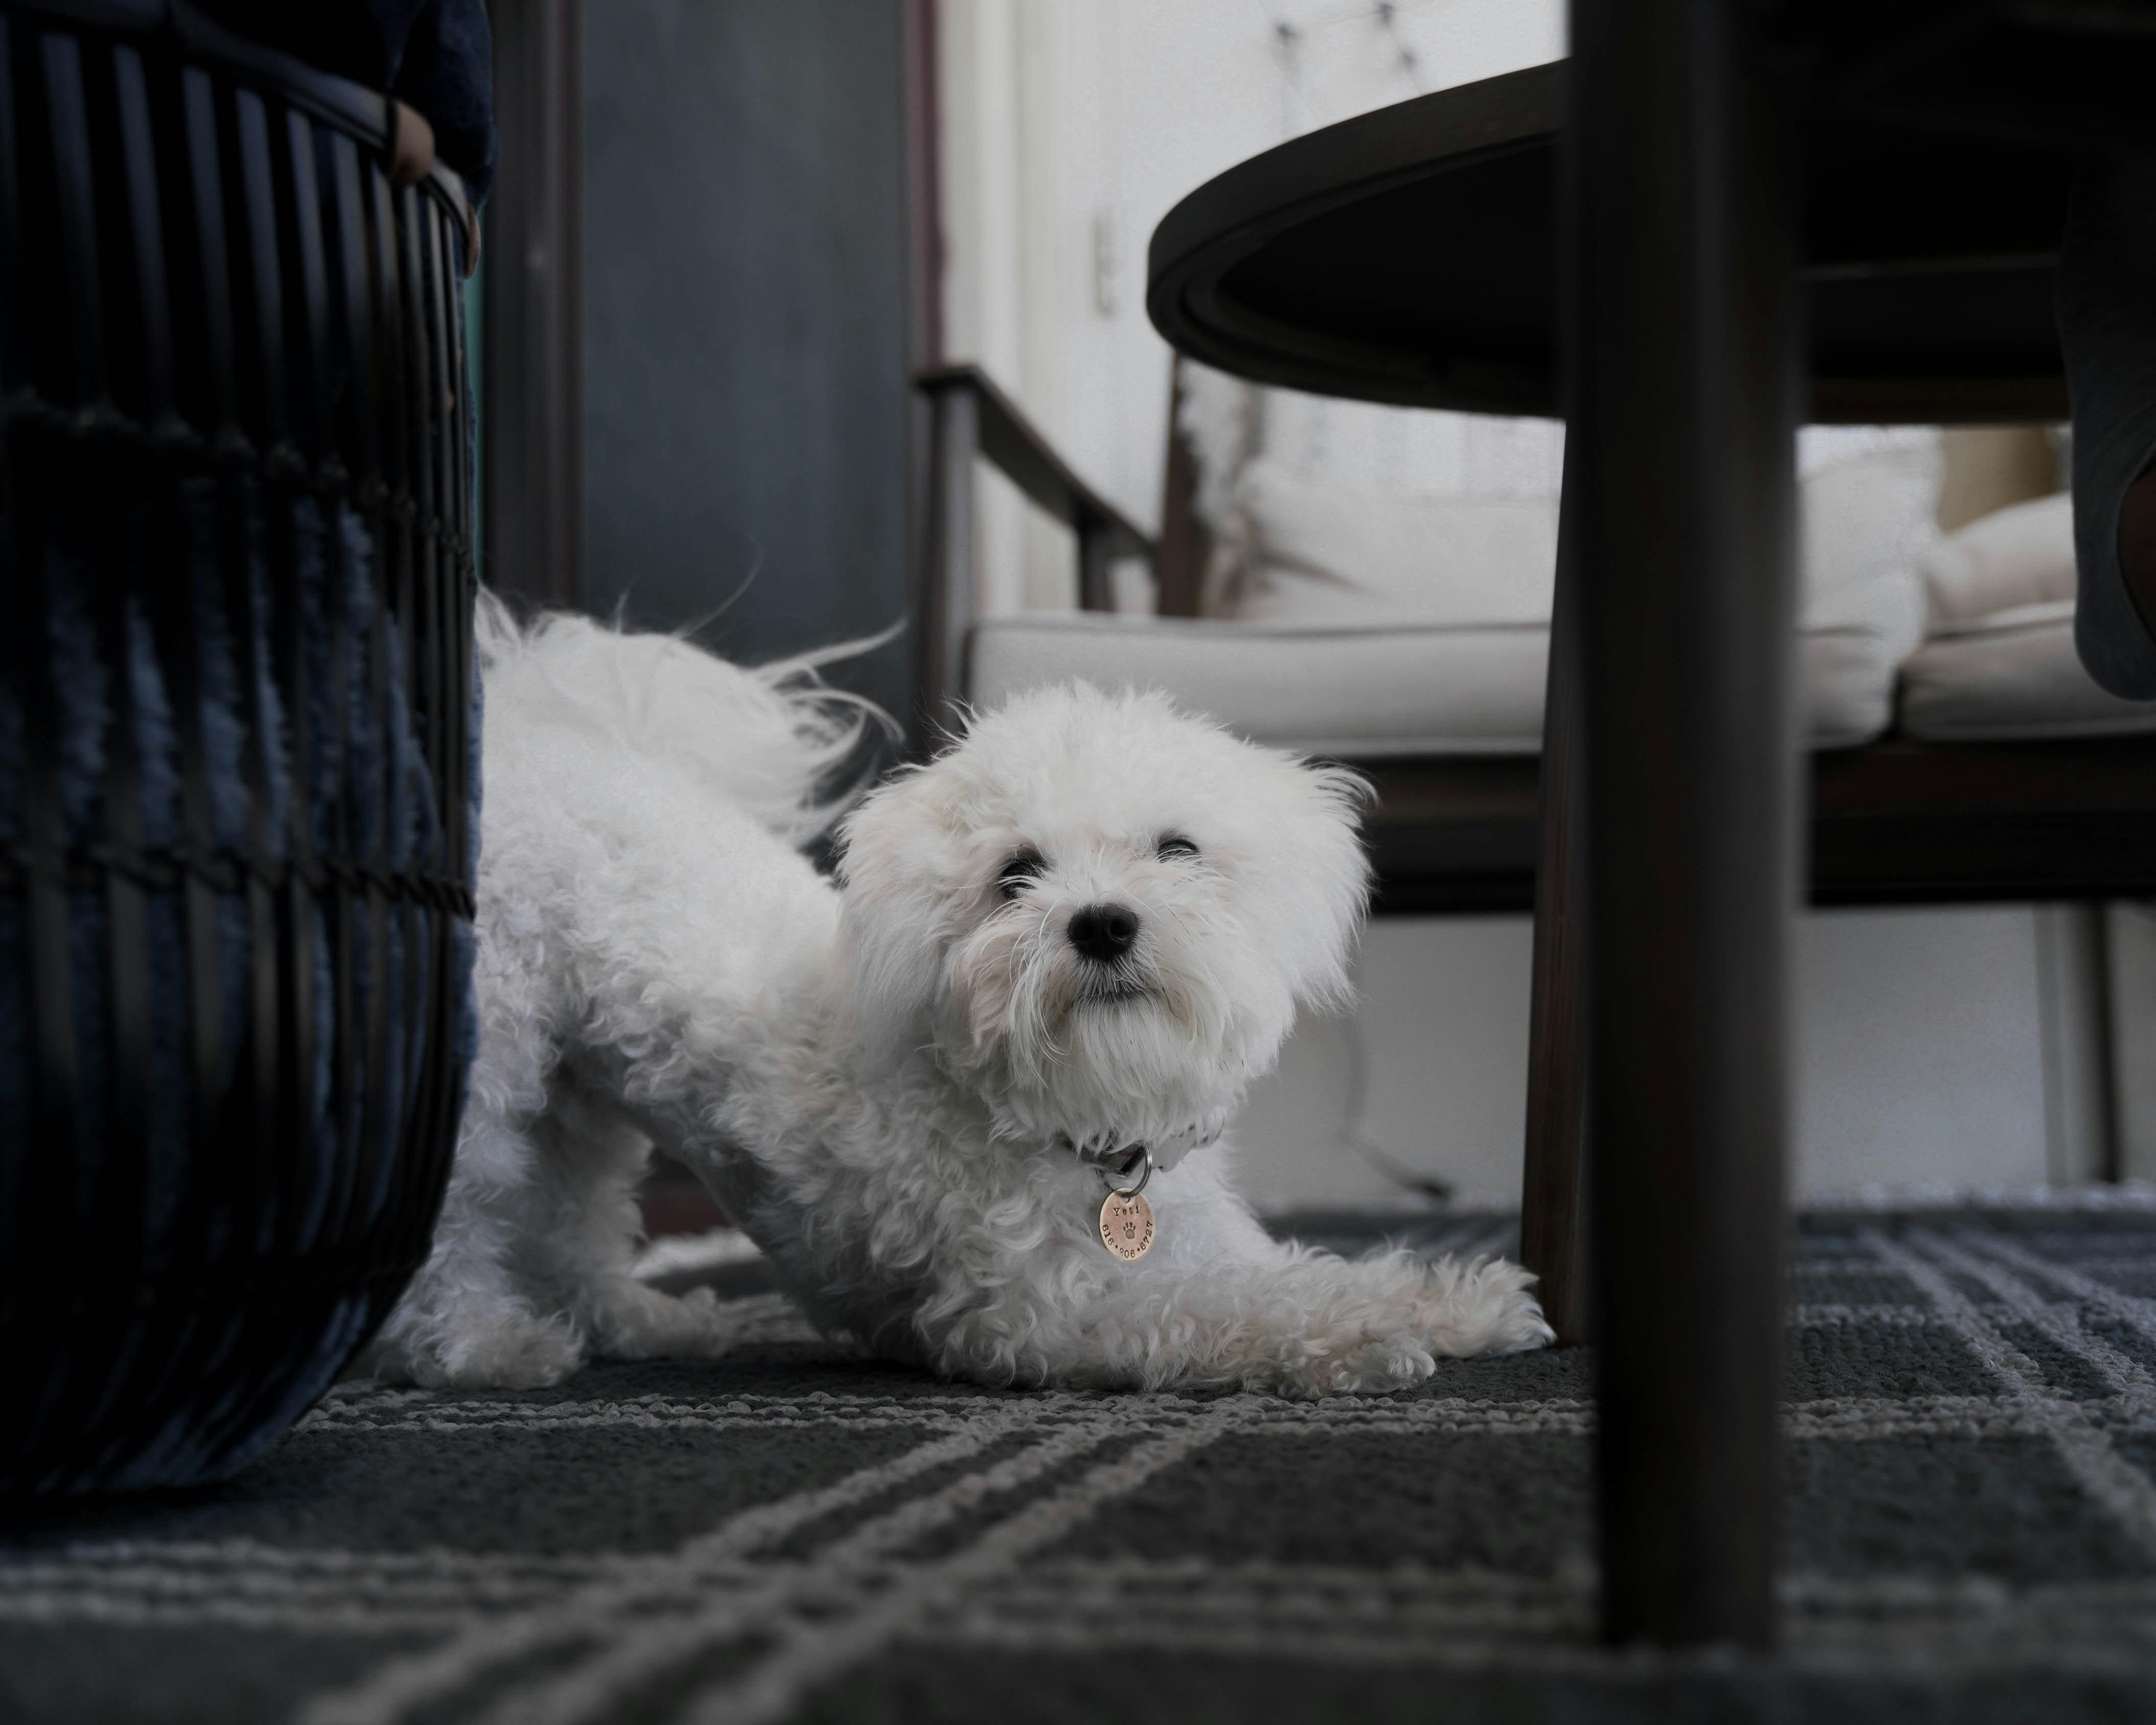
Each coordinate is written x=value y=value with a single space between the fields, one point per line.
x=1519 y=1324
x=1367 y=1368
x=1484 y=1307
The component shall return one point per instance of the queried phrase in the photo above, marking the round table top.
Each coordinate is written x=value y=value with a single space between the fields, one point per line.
x=1409 y=255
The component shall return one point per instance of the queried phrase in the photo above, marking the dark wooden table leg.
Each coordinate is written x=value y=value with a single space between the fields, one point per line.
x=1682 y=395
x=1553 y=1188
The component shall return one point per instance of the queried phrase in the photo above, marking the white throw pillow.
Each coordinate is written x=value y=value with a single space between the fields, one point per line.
x=1866 y=525
x=1321 y=553
x=2000 y=660
x=2023 y=555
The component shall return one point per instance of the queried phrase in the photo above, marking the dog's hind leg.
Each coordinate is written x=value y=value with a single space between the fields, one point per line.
x=467 y=1322
x=583 y=1229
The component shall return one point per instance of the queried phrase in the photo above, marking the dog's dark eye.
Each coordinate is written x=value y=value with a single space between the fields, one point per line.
x=1023 y=865
x=1173 y=846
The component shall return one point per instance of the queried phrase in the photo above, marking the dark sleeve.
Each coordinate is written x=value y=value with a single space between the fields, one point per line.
x=447 y=72
x=438 y=55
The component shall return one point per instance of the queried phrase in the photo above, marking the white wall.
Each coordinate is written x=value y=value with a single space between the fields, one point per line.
x=1930 y=1056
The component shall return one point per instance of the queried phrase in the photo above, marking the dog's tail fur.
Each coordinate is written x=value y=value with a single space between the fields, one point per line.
x=774 y=739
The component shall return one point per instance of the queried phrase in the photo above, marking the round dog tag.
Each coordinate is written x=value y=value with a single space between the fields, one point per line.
x=1125 y=1225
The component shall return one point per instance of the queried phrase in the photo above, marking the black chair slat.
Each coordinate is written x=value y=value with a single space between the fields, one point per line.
x=206 y=180
x=74 y=210
x=258 y=204
x=146 y=234
x=17 y=365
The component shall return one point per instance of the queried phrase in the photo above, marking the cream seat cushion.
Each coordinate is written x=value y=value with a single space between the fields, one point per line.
x=1999 y=662
x=1361 y=691
x=1373 y=624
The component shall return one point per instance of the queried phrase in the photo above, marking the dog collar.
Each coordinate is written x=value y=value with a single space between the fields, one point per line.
x=1165 y=1150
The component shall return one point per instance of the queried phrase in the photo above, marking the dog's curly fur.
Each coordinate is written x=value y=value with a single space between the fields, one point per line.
x=889 y=1082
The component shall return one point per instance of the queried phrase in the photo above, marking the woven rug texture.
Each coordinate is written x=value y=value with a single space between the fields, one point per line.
x=794 y=1533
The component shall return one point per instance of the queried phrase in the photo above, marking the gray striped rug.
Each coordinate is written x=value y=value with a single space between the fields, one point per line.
x=794 y=1534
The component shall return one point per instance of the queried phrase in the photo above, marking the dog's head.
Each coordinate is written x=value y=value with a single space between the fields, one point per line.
x=1102 y=913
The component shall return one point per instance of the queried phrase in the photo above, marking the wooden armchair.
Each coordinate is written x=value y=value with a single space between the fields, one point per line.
x=1895 y=822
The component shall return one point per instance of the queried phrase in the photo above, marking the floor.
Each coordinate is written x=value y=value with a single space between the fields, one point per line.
x=797 y=1533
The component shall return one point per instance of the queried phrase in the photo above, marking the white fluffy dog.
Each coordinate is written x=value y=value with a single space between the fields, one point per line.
x=1062 y=947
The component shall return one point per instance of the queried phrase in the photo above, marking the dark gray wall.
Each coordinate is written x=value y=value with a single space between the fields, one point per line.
x=745 y=323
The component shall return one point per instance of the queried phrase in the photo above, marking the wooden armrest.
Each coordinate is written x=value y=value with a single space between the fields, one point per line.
x=972 y=419
x=1023 y=455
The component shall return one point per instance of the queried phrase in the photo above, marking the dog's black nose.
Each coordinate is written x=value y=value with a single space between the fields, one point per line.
x=1104 y=931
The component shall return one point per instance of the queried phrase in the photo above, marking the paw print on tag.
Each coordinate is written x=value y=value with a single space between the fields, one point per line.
x=1127 y=1226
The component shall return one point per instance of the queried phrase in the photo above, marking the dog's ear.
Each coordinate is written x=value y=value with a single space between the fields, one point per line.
x=903 y=870
x=1317 y=876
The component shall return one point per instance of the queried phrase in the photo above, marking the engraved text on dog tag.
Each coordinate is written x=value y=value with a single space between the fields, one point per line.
x=1125 y=1225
